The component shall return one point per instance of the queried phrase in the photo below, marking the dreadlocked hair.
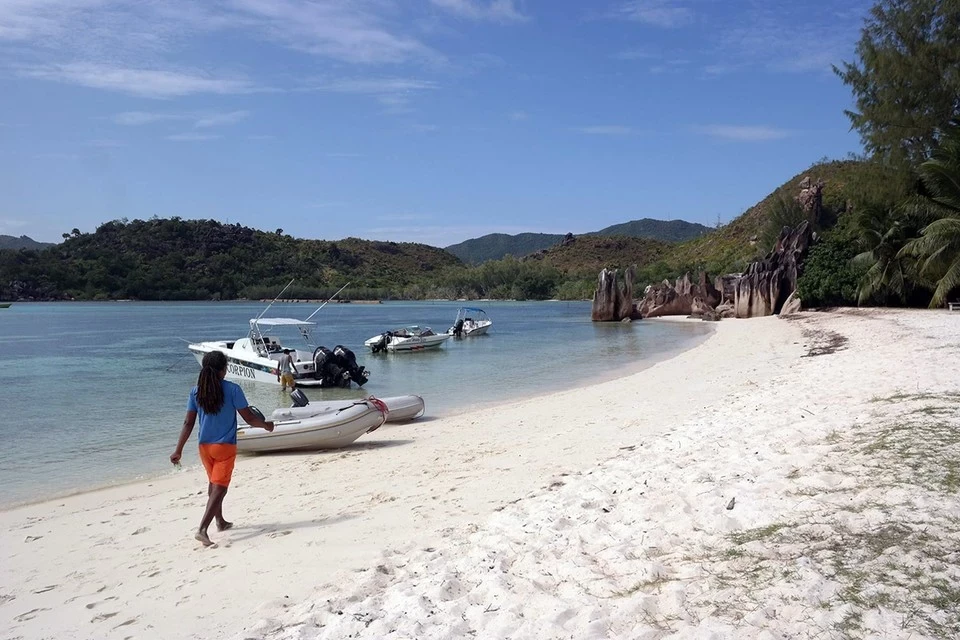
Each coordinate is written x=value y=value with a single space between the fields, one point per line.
x=209 y=389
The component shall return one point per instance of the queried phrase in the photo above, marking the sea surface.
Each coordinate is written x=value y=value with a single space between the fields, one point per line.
x=95 y=393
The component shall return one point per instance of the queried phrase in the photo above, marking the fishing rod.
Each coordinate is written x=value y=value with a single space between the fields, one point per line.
x=327 y=300
x=275 y=299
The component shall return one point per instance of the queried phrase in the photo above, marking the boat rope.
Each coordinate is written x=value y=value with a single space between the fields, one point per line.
x=379 y=404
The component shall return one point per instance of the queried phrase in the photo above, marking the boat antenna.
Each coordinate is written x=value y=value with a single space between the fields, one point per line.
x=275 y=299
x=328 y=300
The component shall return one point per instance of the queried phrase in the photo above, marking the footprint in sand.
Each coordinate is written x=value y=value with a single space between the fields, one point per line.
x=149 y=573
x=277 y=534
x=28 y=615
x=126 y=623
x=140 y=530
x=32 y=538
x=104 y=616
x=4 y=598
x=104 y=601
x=49 y=587
x=212 y=567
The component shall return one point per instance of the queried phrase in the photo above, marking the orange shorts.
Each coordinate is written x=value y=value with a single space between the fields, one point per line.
x=218 y=460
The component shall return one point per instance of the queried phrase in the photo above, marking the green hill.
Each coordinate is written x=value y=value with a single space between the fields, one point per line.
x=204 y=259
x=587 y=255
x=497 y=245
x=23 y=242
x=747 y=237
x=664 y=230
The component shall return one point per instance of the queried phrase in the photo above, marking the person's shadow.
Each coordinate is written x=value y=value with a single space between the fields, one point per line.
x=277 y=530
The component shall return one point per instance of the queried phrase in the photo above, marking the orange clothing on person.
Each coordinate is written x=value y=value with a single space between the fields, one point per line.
x=218 y=459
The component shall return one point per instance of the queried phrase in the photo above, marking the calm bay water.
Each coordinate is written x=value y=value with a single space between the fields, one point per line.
x=95 y=393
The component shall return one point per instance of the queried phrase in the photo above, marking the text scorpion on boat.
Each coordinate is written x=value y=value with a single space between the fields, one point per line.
x=257 y=356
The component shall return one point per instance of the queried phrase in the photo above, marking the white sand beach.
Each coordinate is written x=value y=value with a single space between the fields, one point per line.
x=784 y=479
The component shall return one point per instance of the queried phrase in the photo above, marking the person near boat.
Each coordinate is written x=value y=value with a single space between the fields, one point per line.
x=216 y=402
x=285 y=370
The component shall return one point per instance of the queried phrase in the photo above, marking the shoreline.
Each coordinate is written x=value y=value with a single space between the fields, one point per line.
x=624 y=370
x=482 y=522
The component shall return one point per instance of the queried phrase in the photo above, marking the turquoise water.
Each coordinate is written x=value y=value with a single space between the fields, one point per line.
x=95 y=393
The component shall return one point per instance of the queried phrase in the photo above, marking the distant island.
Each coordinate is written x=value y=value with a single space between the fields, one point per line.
x=23 y=242
x=495 y=246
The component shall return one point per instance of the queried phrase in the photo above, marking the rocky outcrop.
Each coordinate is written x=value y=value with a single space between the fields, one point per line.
x=791 y=306
x=726 y=285
x=613 y=300
x=679 y=299
x=766 y=284
x=810 y=199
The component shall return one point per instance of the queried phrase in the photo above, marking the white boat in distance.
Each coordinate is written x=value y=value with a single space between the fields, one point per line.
x=470 y=322
x=399 y=409
x=327 y=430
x=412 y=338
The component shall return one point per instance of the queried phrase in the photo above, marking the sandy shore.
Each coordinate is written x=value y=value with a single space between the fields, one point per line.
x=741 y=489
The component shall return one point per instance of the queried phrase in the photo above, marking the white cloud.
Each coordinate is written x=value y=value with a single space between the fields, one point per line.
x=192 y=137
x=144 y=83
x=106 y=143
x=137 y=118
x=425 y=128
x=9 y=225
x=403 y=217
x=393 y=93
x=636 y=54
x=519 y=116
x=608 y=130
x=744 y=133
x=201 y=119
x=666 y=14
x=261 y=136
x=221 y=119
x=495 y=10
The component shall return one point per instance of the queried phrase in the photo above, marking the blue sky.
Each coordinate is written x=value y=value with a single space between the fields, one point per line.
x=413 y=120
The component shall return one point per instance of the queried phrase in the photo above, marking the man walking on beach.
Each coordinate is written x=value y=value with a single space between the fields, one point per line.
x=285 y=370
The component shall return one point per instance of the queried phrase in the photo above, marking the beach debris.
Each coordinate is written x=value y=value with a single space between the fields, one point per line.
x=732 y=503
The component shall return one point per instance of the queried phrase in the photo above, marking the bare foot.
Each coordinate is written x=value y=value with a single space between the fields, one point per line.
x=204 y=538
x=223 y=526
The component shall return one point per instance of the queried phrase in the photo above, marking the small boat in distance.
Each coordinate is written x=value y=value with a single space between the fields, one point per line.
x=5 y=305
x=412 y=338
x=470 y=322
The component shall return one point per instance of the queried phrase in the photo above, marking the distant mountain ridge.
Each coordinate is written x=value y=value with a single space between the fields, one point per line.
x=23 y=242
x=495 y=246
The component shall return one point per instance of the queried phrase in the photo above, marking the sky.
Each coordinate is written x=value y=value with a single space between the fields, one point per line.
x=413 y=120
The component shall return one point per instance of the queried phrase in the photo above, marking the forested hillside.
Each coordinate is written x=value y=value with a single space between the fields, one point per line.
x=163 y=259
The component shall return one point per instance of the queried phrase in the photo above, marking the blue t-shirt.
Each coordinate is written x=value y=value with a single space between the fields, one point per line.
x=220 y=428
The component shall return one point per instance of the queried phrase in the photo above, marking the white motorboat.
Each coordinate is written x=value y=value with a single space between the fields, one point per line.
x=257 y=356
x=412 y=338
x=331 y=429
x=399 y=408
x=470 y=322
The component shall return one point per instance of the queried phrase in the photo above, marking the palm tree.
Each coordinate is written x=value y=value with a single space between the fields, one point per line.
x=883 y=233
x=937 y=250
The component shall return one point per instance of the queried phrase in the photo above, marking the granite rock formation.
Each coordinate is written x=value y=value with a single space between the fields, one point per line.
x=766 y=284
x=679 y=299
x=612 y=299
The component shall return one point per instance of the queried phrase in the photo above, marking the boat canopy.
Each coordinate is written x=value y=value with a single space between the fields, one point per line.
x=277 y=322
x=472 y=309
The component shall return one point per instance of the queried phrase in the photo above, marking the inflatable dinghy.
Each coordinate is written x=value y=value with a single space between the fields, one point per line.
x=330 y=429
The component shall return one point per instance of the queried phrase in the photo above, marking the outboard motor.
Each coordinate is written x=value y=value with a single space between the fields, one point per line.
x=347 y=360
x=381 y=344
x=299 y=398
x=458 y=328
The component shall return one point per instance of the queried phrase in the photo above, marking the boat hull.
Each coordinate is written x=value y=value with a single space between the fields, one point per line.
x=327 y=430
x=410 y=344
x=399 y=409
